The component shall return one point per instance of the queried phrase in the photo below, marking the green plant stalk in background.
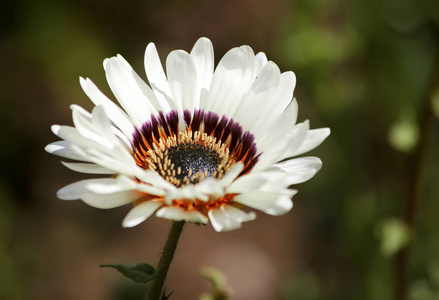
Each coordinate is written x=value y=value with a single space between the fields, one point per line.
x=416 y=163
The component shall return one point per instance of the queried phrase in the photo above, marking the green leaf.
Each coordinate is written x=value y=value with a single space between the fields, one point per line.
x=140 y=273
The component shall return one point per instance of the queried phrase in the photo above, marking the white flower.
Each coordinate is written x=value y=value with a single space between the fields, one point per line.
x=196 y=144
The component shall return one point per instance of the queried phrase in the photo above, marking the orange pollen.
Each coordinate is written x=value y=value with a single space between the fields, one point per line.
x=190 y=204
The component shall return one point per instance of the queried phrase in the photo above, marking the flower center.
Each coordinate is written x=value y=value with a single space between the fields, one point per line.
x=192 y=161
x=208 y=147
x=190 y=158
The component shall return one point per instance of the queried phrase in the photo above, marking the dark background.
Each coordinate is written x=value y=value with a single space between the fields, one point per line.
x=366 y=69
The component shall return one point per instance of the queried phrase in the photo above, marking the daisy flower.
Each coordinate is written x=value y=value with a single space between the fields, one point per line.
x=197 y=144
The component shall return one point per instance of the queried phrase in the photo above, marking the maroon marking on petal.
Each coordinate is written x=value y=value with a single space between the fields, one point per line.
x=227 y=130
x=155 y=127
x=140 y=142
x=220 y=128
x=210 y=122
x=250 y=165
x=250 y=153
x=187 y=117
x=172 y=118
x=147 y=132
x=136 y=136
x=236 y=132
x=164 y=123
x=246 y=142
x=197 y=119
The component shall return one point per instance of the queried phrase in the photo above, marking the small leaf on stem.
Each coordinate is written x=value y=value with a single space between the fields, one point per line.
x=140 y=273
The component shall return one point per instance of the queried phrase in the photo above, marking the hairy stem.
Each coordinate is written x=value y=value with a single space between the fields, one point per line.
x=165 y=261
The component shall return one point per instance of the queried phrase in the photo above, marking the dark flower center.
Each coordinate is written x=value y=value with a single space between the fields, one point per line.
x=193 y=160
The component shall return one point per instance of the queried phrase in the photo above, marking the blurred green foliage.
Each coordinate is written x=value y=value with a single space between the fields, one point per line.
x=394 y=235
x=218 y=281
x=365 y=69
x=368 y=67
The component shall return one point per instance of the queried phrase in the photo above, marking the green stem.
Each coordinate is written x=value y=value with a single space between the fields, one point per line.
x=165 y=261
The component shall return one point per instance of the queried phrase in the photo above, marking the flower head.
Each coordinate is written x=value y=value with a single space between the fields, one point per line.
x=196 y=144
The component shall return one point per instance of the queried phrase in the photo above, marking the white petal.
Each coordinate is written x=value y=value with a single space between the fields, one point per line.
x=249 y=182
x=268 y=79
x=179 y=214
x=270 y=203
x=110 y=185
x=277 y=130
x=96 y=185
x=116 y=115
x=69 y=134
x=203 y=57
x=189 y=191
x=102 y=125
x=231 y=175
x=141 y=212
x=62 y=148
x=280 y=129
x=272 y=179
x=260 y=61
x=150 y=189
x=182 y=79
x=221 y=222
x=104 y=63
x=118 y=145
x=255 y=107
x=87 y=168
x=313 y=139
x=300 y=169
x=211 y=187
x=284 y=92
x=83 y=124
x=155 y=180
x=111 y=200
x=72 y=135
x=156 y=76
x=128 y=92
x=74 y=190
x=126 y=141
x=283 y=146
x=158 y=104
x=228 y=217
x=238 y=214
x=92 y=150
x=110 y=162
x=231 y=80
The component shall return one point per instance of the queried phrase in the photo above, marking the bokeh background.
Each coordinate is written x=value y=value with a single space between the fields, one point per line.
x=366 y=227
